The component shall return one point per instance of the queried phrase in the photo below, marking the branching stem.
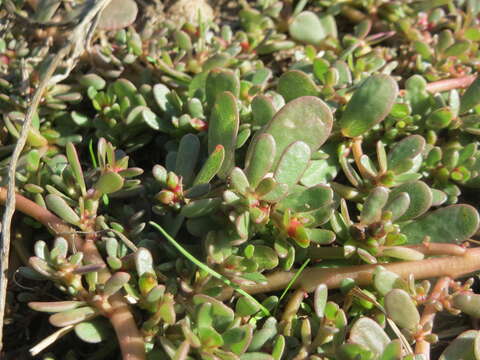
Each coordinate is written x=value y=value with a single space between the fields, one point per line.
x=422 y=347
x=130 y=340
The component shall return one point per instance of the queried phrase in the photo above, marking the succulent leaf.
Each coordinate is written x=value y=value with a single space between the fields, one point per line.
x=223 y=130
x=401 y=309
x=369 y=105
x=451 y=224
x=307 y=119
x=369 y=333
x=261 y=161
x=294 y=84
x=61 y=208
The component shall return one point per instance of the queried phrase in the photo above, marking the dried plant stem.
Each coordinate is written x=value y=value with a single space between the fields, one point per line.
x=452 y=266
x=450 y=84
x=422 y=347
x=130 y=340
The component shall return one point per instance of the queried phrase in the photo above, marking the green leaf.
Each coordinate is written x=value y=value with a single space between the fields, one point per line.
x=33 y=160
x=223 y=129
x=393 y=351
x=353 y=352
x=60 y=207
x=246 y=307
x=262 y=110
x=307 y=199
x=152 y=120
x=265 y=257
x=238 y=339
x=266 y=333
x=200 y=207
x=452 y=224
x=278 y=347
x=440 y=118
x=471 y=97
x=256 y=356
x=115 y=283
x=239 y=180
x=369 y=105
x=143 y=261
x=294 y=84
x=407 y=148
x=469 y=303
x=458 y=48
x=307 y=119
x=109 y=182
x=74 y=161
x=93 y=80
x=211 y=167
x=187 y=157
x=261 y=160
x=322 y=171
x=370 y=334
x=219 y=81
x=398 y=205
x=321 y=236
x=222 y=314
x=373 y=206
x=93 y=331
x=320 y=300
x=307 y=27
x=209 y=337
x=417 y=95
x=463 y=347
x=155 y=294
x=293 y=163
x=385 y=280
x=205 y=267
x=71 y=317
x=401 y=309
x=167 y=310
x=402 y=253
x=125 y=88
x=420 y=199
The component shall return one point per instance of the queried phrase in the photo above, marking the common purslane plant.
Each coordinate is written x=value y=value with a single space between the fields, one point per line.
x=269 y=180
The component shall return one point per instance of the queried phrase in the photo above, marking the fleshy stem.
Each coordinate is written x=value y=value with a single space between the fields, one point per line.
x=129 y=338
x=450 y=84
x=422 y=346
x=452 y=266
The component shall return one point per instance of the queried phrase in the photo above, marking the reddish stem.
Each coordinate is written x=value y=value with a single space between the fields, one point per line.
x=450 y=84
x=49 y=220
x=131 y=341
x=422 y=347
x=452 y=266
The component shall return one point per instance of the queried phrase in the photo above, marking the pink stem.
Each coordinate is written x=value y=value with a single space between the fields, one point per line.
x=450 y=84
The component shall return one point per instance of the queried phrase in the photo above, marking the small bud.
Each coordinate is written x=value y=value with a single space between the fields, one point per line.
x=431 y=338
x=166 y=197
x=172 y=181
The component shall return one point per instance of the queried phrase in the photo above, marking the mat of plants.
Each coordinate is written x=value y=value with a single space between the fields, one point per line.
x=240 y=180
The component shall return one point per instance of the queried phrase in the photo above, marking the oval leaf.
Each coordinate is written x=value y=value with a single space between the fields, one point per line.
x=369 y=105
